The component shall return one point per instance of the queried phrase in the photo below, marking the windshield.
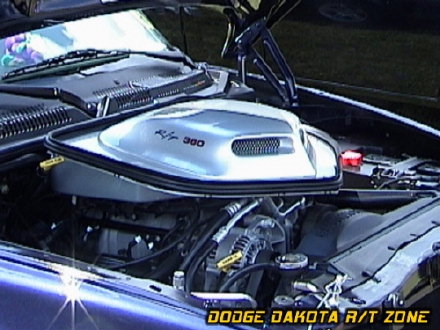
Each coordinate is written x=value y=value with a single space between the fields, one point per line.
x=130 y=30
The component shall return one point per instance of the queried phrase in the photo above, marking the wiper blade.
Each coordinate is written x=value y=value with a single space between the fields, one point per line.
x=51 y=93
x=69 y=59
x=175 y=55
x=75 y=58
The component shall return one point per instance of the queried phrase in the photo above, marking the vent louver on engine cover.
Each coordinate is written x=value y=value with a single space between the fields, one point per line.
x=257 y=146
x=31 y=119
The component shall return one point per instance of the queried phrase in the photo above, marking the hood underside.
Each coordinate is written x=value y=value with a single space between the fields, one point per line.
x=18 y=16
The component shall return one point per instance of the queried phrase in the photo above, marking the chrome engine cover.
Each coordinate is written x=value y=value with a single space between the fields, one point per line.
x=216 y=142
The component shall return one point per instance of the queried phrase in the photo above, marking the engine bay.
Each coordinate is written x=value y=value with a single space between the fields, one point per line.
x=274 y=251
x=226 y=227
x=152 y=188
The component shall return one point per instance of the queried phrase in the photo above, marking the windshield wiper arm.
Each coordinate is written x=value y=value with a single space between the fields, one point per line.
x=71 y=58
x=175 y=55
x=51 y=93
x=76 y=57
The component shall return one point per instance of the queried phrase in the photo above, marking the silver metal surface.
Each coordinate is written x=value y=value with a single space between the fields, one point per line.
x=179 y=280
x=74 y=178
x=211 y=141
x=292 y=261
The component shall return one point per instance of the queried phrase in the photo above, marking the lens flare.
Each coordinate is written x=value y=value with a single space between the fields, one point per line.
x=71 y=281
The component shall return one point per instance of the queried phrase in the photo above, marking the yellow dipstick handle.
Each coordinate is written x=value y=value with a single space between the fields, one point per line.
x=48 y=164
x=228 y=261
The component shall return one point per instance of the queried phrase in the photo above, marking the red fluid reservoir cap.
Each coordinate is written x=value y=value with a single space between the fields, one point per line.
x=351 y=158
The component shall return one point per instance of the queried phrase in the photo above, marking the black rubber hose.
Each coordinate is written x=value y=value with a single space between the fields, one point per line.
x=150 y=256
x=177 y=227
x=167 y=266
x=160 y=252
x=245 y=271
x=373 y=198
x=194 y=266
x=20 y=162
x=220 y=220
x=187 y=246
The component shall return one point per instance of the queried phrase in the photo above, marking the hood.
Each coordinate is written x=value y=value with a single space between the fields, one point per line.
x=18 y=16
